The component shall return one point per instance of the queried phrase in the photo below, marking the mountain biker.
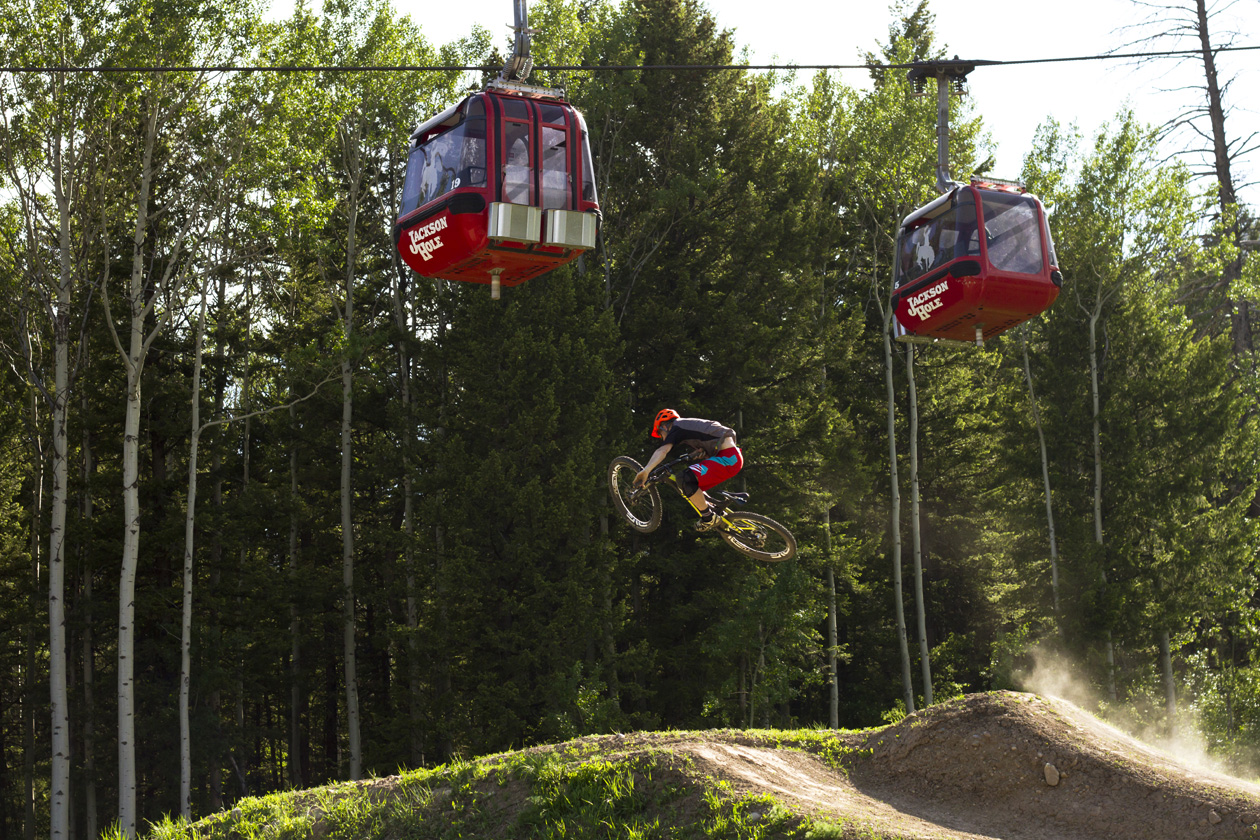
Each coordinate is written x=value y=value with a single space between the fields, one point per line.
x=716 y=441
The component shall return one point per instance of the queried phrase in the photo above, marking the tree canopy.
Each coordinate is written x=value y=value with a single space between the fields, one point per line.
x=402 y=549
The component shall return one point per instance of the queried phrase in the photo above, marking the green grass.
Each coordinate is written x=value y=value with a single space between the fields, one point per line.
x=576 y=791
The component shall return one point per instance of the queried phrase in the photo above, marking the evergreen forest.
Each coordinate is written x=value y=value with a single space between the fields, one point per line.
x=276 y=511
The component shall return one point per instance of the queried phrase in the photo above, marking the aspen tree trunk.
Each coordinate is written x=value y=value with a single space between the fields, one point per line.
x=1231 y=675
x=59 y=790
x=917 y=541
x=133 y=360
x=88 y=649
x=347 y=565
x=895 y=516
x=133 y=351
x=1098 y=480
x=833 y=639
x=59 y=787
x=190 y=518
x=350 y=146
x=761 y=670
x=414 y=710
x=443 y=680
x=240 y=748
x=609 y=641
x=214 y=634
x=833 y=678
x=29 y=632
x=238 y=754
x=1045 y=475
x=295 y=618
x=409 y=525
x=445 y=685
x=1170 y=688
x=127 y=582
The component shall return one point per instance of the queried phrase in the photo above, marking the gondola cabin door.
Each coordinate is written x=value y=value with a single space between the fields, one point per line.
x=499 y=188
x=972 y=264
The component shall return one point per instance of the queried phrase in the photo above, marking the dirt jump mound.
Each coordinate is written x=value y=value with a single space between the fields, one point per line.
x=1001 y=765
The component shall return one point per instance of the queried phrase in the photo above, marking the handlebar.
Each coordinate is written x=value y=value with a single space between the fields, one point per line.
x=666 y=468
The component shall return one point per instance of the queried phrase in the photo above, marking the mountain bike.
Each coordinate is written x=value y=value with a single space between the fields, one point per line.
x=752 y=534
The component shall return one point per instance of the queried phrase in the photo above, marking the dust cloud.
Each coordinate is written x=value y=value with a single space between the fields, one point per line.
x=1054 y=674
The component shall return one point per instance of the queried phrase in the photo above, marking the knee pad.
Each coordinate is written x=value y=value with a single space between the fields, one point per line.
x=689 y=482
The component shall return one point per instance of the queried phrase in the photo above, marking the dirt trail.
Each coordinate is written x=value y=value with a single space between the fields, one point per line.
x=1001 y=765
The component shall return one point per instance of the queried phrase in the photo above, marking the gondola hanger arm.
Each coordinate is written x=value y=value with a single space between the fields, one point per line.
x=947 y=74
x=520 y=64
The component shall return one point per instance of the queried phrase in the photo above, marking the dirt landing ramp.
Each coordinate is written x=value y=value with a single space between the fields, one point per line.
x=1001 y=765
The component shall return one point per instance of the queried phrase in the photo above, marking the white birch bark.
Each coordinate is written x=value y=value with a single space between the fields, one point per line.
x=88 y=649
x=925 y=659
x=134 y=353
x=1045 y=473
x=404 y=328
x=347 y=571
x=833 y=678
x=1098 y=474
x=295 y=620
x=350 y=139
x=52 y=296
x=133 y=360
x=1170 y=687
x=29 y=632
x=59 y=787
x=895 y=514
x=190 y=518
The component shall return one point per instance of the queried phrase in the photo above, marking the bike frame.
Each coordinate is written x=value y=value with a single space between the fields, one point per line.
x=751 y=534
x=665 y=472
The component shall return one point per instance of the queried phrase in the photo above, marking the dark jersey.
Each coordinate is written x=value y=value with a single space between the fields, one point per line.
x=704 y=435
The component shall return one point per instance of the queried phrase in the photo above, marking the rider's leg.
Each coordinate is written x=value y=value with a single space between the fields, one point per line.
x=699 y=500
x=689 y=483
x=708 y=474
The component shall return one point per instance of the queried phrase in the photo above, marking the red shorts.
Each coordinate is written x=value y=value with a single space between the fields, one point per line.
x=714 y=470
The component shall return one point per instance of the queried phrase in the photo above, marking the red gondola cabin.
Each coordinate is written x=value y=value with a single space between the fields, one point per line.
x=973 y=263
x=499 y=189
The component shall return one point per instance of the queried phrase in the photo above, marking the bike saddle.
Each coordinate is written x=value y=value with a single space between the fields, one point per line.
x=737 y=498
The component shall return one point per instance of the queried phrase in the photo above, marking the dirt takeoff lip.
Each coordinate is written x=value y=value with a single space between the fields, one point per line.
x=1001 y=765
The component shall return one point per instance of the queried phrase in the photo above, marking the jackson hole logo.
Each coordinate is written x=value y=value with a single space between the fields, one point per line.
x=926 y=302
x=421 y=243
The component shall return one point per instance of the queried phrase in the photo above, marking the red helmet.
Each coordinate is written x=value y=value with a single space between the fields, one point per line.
x=663 y=416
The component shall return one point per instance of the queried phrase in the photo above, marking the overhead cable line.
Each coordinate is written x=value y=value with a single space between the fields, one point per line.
x=580 y=68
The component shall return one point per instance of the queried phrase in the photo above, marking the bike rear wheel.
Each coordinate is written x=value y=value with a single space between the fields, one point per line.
x=758 y=537
x=640 y=506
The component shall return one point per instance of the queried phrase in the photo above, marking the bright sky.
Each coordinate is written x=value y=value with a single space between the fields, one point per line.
x=1012 y=100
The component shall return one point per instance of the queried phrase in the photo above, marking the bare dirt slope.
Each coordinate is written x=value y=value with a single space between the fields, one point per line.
x=1001 y=765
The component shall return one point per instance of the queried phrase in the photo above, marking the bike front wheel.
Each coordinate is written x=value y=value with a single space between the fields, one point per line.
x=640 y=506
x=758 y=537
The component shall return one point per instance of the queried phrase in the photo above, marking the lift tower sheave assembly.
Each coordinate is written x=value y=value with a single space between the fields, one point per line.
x=949 y=75
x=520 y=63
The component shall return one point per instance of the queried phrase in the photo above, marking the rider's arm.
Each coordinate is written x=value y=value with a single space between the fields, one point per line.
x=657 y=458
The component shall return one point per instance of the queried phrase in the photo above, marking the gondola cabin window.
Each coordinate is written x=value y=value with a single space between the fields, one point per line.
x=1013 y=228
x=555 y=158
x=588 y=165
x=939 y=240
x=455 y=158
x=517 y=172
